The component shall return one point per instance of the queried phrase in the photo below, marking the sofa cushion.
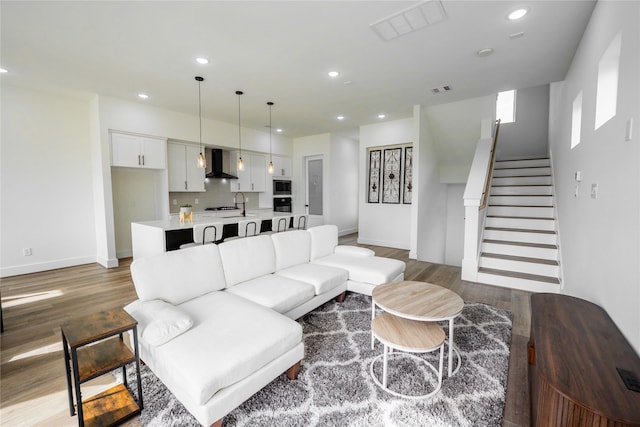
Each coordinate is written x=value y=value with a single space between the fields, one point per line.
x=247 y=258
x=372 y=269
x=178 y=276
x=292 y=248
x=353 y=251
x=322 y=277
x=158 y=321
x=275 y=292
x=230 y=339
x=324 y=239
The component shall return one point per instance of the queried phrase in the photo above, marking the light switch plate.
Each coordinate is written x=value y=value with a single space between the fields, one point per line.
x=628 y=134
x=594 y=191
x=578 y=176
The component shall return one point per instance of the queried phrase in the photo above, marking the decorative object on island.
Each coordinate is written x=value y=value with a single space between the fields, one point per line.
x=202 y=162
x=270 y=167
x=408 y=175
x=391 y=177
x=240 y=162
x=374 y=176
x=186 y=213
x=93 y=345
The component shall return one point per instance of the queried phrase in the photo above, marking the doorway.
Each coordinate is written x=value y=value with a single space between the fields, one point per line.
x=314 y=186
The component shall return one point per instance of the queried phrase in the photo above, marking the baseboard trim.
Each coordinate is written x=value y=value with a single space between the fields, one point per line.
x=45 y=266
x=107 y=263
x=347 y=231
x=385 y=243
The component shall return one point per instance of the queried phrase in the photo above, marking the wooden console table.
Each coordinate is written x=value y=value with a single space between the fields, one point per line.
x=574 y=351
x=109 y=352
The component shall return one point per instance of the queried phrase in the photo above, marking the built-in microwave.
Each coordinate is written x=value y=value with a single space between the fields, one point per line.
x=281 y=187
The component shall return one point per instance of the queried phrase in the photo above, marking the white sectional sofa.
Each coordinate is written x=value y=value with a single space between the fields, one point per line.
x=215 y=322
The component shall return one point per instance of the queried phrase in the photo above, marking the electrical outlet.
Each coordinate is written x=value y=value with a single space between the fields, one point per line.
x=578 y=176
x=26 y=251
x=197 y=202
x=594 y=191
x=174 y=202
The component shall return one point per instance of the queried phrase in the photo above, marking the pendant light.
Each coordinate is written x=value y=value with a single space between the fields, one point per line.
x=240 y=162
x=202 y=162
x=270 y=167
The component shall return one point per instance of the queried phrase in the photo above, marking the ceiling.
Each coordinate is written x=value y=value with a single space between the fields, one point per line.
x=281 y=52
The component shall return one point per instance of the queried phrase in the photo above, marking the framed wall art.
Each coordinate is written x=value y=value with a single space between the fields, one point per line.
x=391 y=175
x=407 y=185
x=374 y=176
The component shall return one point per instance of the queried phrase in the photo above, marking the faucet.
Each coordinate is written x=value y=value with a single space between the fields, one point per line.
x=244 y=210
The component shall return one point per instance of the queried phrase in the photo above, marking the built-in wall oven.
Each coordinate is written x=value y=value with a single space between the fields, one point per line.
x=281 y=187
x=282 y=204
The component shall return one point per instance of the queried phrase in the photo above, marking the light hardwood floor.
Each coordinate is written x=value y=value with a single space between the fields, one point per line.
x=33 y=388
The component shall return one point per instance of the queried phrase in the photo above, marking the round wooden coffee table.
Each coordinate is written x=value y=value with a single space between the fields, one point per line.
x=420 y=301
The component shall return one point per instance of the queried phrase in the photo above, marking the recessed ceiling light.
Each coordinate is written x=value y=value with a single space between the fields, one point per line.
x=381 y=116
x=517 y=14
x=279 y=130
x=143 y=96
x=333 y=74
x=202 y=61
x=2 y=70
x=340 y=117
x=516 y=35
x=485 y=52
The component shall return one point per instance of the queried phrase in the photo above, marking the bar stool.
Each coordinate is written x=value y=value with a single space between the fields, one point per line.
x=407 y=336
x=280 y=223
x=249 y=227
x=300 y=221
x=205 y=233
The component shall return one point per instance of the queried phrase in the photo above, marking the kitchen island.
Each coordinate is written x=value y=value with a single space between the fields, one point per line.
x=153 y=237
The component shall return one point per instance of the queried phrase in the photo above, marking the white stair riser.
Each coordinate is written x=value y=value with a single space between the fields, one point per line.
x=519 y=236
x=515 y=283
x=521 y=200
x=520 y=266
x=527 y=180
x=527 y=224
x=522 y=163
x=524 y=251
x=521 y=172
x=540 y=190
x=528 y=211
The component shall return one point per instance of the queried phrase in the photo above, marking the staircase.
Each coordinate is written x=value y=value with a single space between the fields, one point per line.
x=519 y=246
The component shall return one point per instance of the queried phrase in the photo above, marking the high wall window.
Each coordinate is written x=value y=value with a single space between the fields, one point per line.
x=607 y=91
x=576 y=120
x=506 y=106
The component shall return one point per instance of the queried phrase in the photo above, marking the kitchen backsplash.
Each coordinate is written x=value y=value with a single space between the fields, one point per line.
x=217 y=194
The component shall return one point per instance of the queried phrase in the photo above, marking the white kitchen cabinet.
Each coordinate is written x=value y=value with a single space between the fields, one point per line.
x=281 y=167
x=253 y=177
x=184 y=173
x=134 y=151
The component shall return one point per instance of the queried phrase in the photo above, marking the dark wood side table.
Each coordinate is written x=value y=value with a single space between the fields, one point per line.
x=105 y=331
x=574 y=352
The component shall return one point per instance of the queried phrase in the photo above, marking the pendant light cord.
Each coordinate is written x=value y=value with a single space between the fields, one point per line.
x=200 y=115
x=270 y=152
x=239 y=93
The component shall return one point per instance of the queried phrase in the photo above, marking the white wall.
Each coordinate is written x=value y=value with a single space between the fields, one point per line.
x=601 y=237
x=454 y=245
x=527 y=137
x=46 y=182
x=381 y=223
x=344 y=184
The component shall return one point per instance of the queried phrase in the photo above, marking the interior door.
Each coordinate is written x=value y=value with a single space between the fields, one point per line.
x=314 y=186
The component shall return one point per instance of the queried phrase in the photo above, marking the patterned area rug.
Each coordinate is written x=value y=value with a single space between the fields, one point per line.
x=335 y=387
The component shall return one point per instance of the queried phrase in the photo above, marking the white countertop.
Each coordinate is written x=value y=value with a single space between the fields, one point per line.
x=225 y=217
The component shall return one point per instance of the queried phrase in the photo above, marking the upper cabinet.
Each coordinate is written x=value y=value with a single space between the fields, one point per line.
x=254 y=175
x=281 y=167
x=184 y=173
x=134 y=151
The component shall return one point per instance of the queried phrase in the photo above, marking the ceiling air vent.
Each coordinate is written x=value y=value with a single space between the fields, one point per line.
x=441 y=89
x=408 y=20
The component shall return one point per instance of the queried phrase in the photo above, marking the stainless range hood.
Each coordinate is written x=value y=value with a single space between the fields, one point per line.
x=218 y=163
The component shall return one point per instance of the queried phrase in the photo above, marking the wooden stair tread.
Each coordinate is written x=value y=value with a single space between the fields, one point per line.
x=521 y=195
x=521 y=176
x=526 y=276
x=522 y=206
x=532 y=245
x=523 y=160
x=521 y=185
x=520 y=230
x=519 y=258
x=521 y=217
x=520 y=167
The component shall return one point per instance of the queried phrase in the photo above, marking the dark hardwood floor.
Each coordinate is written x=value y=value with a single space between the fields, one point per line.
x=33 y=388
